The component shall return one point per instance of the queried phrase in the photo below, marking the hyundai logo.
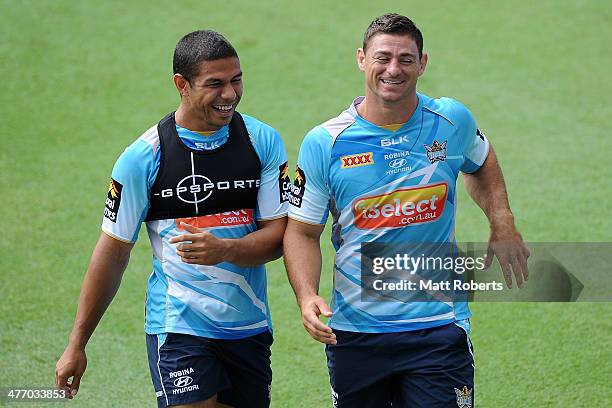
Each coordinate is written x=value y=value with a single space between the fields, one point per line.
x=397 y=163
x=183 y=381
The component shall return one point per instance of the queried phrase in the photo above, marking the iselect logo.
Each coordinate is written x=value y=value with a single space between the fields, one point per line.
x=401 y=208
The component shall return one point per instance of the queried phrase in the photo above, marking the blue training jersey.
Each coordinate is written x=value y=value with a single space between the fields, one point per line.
x=219 y=301
x=386 y=186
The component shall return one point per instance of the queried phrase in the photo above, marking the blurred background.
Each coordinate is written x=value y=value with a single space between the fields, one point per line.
x=81 y=80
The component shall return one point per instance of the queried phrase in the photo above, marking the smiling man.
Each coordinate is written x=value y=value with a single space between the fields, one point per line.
x=386 y=169
x=209 y=183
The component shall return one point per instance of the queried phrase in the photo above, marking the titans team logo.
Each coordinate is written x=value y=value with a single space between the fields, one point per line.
x=464 y=397
x=436 y=152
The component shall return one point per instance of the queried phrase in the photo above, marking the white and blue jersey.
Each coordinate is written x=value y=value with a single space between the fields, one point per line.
x=223 y=301
x=386 y=186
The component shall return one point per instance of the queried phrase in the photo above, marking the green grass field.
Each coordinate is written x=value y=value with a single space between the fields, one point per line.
x=81 y=80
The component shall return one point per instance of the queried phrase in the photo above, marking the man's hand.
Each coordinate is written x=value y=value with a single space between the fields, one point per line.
x=511 y=252
x=70 y=366
x=312 y=308
x=202 y=247
x=486 y=186
x=103 y=277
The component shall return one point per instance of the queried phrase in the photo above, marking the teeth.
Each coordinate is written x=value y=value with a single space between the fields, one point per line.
x=391 y=82
x=223 y=107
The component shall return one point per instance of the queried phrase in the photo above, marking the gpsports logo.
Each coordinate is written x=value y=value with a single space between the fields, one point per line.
x=224 y=219
x=401 y=208
x=357 y=160
x=113 y=199
x=195 y=188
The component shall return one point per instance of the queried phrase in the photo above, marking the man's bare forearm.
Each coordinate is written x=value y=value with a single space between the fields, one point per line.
x=488 y=189
x=302 y=254
x=108 y=261
x=258 y=247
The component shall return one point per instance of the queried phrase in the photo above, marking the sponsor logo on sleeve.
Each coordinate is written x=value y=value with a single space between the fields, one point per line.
x=480 y=134
x=401 y=208
x=284 y=182
x=113 y=199
x=464 y=397
x=436 y=152
x=298 y=187
x=357 y=160
x=224 y=219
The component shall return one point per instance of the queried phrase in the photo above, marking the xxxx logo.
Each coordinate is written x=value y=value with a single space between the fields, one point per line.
x=356 y=160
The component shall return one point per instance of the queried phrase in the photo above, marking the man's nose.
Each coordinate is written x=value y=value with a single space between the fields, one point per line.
x=393 y=68
x=228 y=93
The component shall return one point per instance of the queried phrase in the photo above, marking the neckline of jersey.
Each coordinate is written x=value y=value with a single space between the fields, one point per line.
x=202 y=151
x=194 y=137
x=414 y=118
x=217 y=134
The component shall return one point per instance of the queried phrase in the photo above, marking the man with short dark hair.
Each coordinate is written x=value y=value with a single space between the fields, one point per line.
x=386 y=169
x=209 y=183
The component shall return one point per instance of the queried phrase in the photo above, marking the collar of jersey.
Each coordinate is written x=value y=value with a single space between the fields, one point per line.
x=190 y=138
x=414 y=119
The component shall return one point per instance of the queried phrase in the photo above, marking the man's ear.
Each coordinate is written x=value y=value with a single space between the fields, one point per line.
x=181 y=84
x=361 y=59
x=424 y=59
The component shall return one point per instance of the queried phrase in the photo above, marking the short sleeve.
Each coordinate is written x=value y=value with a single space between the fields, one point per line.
x=474 y=144
x=310 y=190
x=127 y=200
x=476 y=152
x=272 y=197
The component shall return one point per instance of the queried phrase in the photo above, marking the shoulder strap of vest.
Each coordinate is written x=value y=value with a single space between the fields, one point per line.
x=166 y=124
x=164 y=132
x=238 y=127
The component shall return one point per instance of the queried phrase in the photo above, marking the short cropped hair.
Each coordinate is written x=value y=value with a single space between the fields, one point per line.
x=198 y=46
x=392 y=23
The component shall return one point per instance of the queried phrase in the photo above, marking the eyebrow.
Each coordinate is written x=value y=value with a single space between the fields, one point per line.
x=216 y=80
x=388 y=54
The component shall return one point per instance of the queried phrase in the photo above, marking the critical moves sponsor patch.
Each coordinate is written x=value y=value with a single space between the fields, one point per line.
x=113 y=199
x=298 y=187
x=401 y=208
x=284 y=182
